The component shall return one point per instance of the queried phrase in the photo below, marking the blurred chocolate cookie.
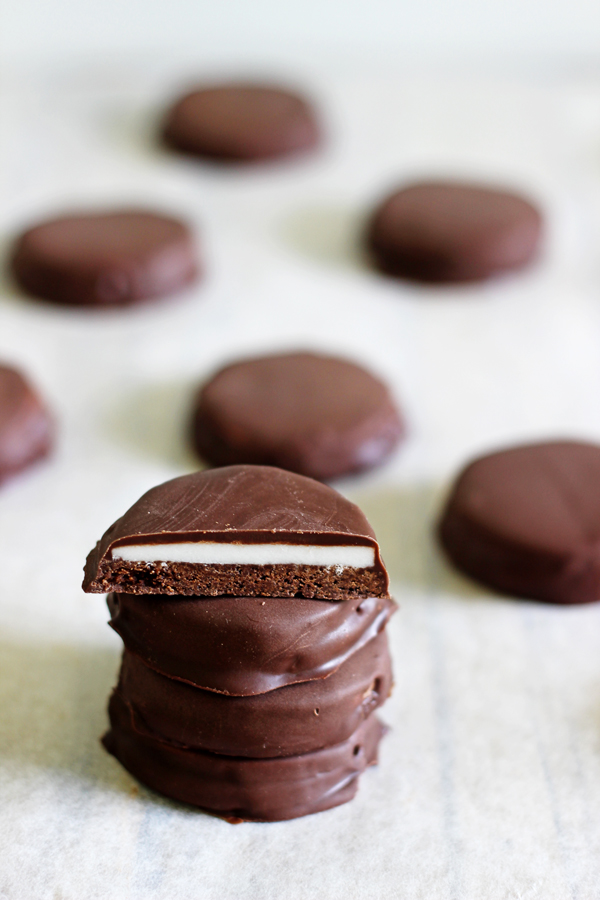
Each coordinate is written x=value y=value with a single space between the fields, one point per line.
x=105 y=259
x=452 y=232
x=241 y=123
x=316 y=415
x=526 y=521
x=25 y=425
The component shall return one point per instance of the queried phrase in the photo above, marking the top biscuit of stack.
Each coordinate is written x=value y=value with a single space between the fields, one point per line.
x=240 y=531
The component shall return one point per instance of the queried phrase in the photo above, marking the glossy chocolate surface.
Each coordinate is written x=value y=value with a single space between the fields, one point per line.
x=316 y=415
x=241 y=123
x=238 y=504
x=105 y=259
x=245 y=645
x=26 y=428
x=295 y=719
x=248 y=789
x=526 y=521
x=452 y=232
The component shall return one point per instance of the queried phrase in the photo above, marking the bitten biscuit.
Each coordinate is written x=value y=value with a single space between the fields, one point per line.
x=243 y=531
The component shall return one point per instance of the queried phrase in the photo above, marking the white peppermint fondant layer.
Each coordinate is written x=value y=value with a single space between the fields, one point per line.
x=213 y=554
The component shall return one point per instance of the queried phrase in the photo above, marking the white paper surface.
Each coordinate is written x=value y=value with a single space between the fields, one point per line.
x=489 y=783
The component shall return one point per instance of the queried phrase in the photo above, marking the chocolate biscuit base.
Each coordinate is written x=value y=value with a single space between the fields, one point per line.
x=289 y=721
x=264 y=790
x=188 y=579
x=245 y=645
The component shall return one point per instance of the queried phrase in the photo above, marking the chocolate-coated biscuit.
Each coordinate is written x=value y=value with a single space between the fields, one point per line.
x=105 y=259
x=452 y=232
x=249 y=789
x=241 y=123
x=245 y=645
x=26 y=429
x=295 y=719
x=243 y=531
x=316 y=415
x=526 y=521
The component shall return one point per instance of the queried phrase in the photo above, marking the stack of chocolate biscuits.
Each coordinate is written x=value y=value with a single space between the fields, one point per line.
x=252 y=603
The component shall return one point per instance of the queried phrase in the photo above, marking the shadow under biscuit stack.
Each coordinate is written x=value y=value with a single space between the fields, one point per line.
x=252 y=603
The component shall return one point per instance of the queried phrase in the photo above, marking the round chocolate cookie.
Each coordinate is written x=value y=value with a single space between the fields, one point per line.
x=295 y=719
x=105 y=259
x=26 y=430
x=239 y=788
x=241 y=123
x=245 y=645
x=526 y=521
x=452 y=232
x=316 y=415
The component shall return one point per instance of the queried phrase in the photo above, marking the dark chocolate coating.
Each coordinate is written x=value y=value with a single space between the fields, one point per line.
x=105 y=259
x=252 y=789
x=244 y=504
x=245 y=645
x=295 y=719
x=26 y=429
x=241 y=123
x=526 y=521
x=316 y=415
x=452 y=232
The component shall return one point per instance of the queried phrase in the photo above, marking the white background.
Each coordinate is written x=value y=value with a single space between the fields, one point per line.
x=489 y=784
x=415 y=30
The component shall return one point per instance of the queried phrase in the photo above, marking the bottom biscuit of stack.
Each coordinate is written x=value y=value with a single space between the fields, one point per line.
x=278 y=754
x=242 y=788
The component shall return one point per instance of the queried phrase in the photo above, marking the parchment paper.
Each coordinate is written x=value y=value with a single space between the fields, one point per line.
x=489 y=783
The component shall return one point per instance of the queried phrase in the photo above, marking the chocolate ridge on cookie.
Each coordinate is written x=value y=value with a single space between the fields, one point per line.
x=295 y=719
x=243 y=531
x=245 y=645
x=526 y=521
x=237 y=788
